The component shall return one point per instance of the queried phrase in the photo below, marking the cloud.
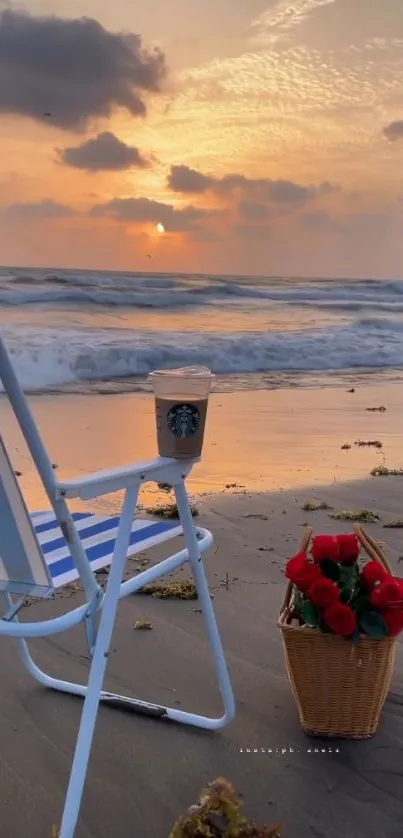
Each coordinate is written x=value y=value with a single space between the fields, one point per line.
x=252 y=211
x=68 y=71
x=103 y=153
x=186 y=180
x=320 y=220
x=282 y=16
x=394 y=131
x=37 y=211
x=146 y=211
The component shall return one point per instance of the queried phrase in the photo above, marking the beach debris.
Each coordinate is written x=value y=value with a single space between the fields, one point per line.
x=257 y=517
x=380 y=409
x=55 y=466
x=383 y=471
x=375 y=443
x=142 y=625
x=315 y=506
x=397 y=524
x=18 y=473
x=181 y=589
x=352 y=390
x=365 y=516
x=165 y=487
x=219 y=813
x=346 y=446
x=169 y=510
x=141 y=563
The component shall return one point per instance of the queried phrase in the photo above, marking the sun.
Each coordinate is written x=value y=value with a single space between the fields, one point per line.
x=160 y=228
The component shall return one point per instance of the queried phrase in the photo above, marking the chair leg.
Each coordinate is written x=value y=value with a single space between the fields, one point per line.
x=196 y=560
x=97 y=672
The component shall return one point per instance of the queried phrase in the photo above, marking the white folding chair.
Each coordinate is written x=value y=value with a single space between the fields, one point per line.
x=41 y=552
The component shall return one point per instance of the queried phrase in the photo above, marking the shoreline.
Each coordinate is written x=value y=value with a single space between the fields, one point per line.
x=233 y=382
x=260 y=441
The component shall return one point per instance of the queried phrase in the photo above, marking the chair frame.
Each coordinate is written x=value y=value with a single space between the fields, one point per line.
x=99 y=611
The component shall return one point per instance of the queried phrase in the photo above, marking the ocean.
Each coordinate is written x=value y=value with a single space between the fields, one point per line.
x=87 y=331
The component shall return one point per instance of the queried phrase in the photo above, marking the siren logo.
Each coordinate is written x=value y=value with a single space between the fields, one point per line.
x=183 y=420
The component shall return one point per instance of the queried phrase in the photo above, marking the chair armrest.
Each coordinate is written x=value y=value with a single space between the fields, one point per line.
x=160 y=470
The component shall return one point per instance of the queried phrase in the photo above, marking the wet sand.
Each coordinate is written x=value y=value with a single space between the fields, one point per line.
x=144 y=773
x=262 y=440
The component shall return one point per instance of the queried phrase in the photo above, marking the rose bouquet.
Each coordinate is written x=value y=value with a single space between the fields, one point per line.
x=337 y=594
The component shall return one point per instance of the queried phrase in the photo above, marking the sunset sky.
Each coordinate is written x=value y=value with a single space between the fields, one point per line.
x=264 y=136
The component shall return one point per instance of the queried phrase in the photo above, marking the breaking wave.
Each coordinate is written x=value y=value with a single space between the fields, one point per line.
x=48 y=358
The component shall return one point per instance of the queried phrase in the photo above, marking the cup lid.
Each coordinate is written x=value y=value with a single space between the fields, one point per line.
x=184 y=372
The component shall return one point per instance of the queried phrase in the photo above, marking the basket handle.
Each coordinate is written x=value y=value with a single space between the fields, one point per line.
x=371 y=547
x=302 y=549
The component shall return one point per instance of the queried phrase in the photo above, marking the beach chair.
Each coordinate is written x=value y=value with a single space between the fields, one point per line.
x=41 y=552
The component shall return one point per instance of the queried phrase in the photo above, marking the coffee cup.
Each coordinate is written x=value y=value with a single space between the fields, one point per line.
x=181 y=400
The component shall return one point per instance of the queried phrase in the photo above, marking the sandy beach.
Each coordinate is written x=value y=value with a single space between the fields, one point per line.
x=280 y=448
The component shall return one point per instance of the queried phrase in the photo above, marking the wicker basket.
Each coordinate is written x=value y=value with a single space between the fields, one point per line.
x=339 y=686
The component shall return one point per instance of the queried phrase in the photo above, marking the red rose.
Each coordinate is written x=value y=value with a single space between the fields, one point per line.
x=341 y=619
x=372 y=573
x=389 y=594
x=294 y=565
x=349 y=547
x=394 y=621
x=323 y=593
x=325 y=547
x=301 y=571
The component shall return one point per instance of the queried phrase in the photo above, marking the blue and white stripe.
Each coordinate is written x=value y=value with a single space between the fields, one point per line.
x=22 y=569
x=98 y=535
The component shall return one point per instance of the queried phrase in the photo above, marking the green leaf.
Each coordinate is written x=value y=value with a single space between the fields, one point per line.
x=310 y=614
x=361 y=604
x=330 y=569
x=348 y=581
x=373 y=625
x=348 y=575
x=346 y=595
x=298 y=600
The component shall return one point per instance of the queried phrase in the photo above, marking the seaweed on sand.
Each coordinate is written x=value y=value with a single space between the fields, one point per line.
x=218 y=815
x=380 y=409
x=383 y=471
x=142 y=625
x=315 y=505
x=181 y=589
x=169 y=511
x=374 y=443
x=365 y=516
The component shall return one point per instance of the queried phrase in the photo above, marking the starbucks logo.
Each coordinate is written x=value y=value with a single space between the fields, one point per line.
x=183 y=420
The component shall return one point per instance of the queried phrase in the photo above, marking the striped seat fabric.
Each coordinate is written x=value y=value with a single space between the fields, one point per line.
x=98 y=535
